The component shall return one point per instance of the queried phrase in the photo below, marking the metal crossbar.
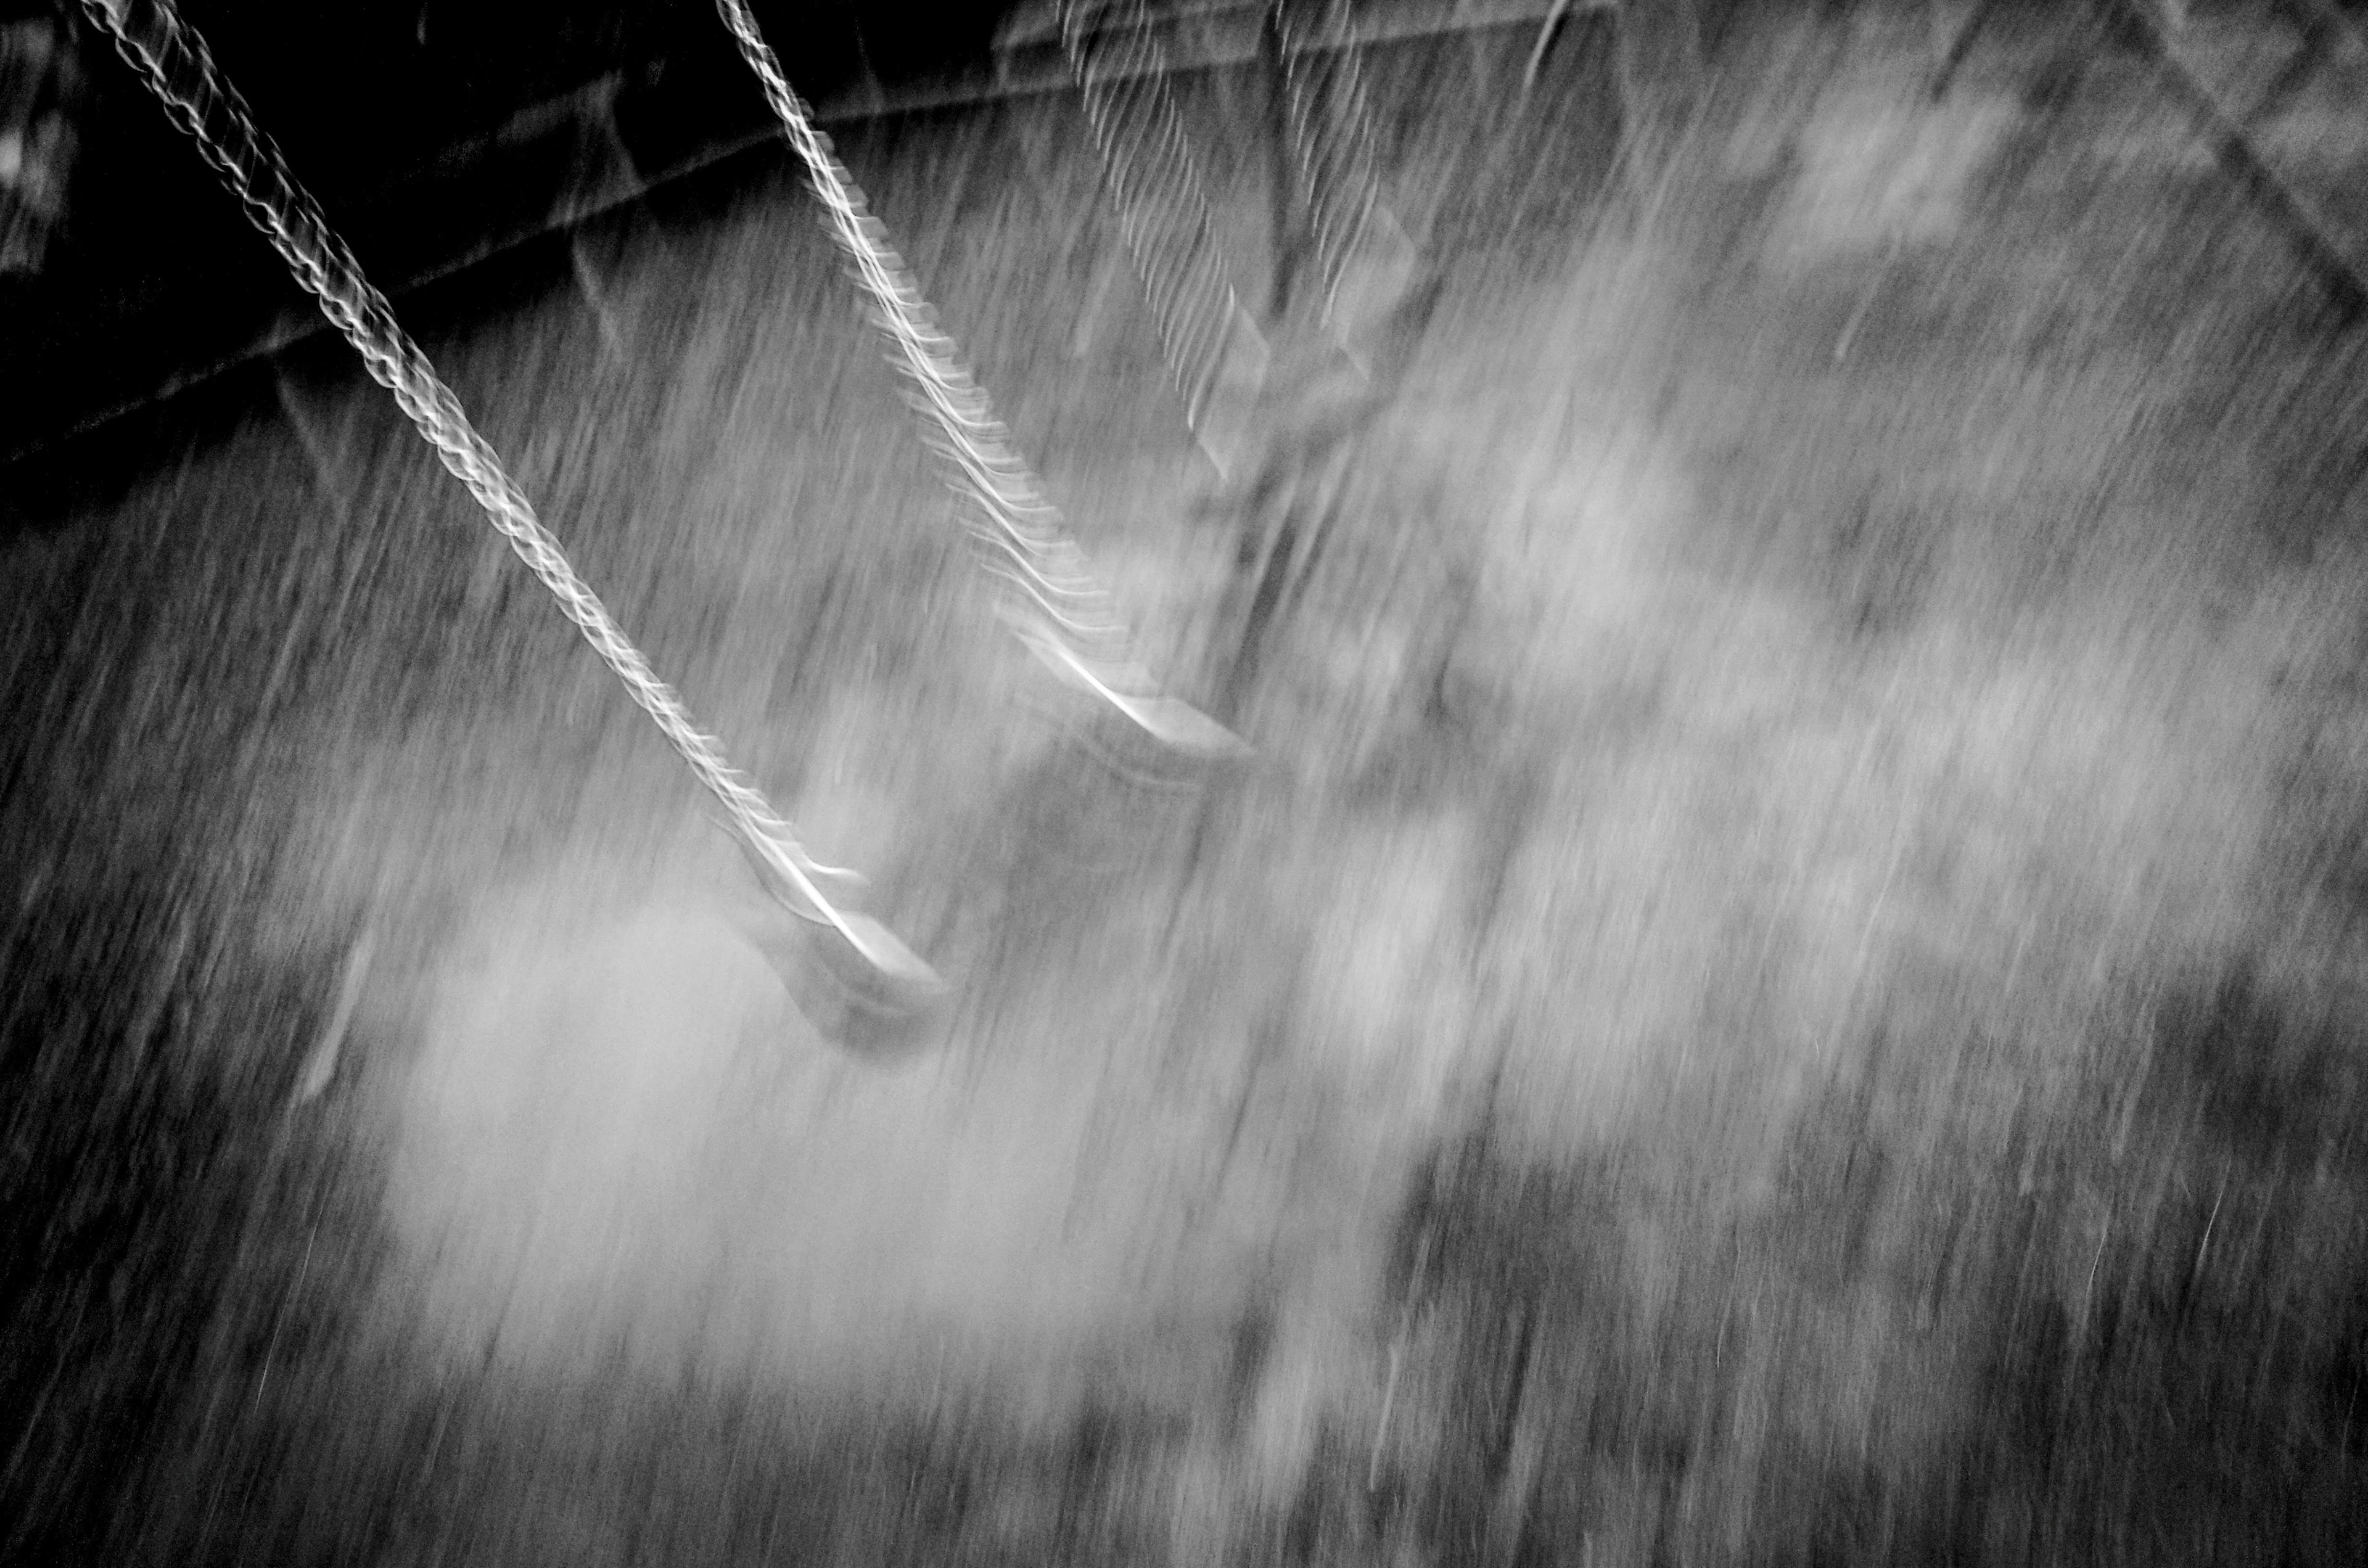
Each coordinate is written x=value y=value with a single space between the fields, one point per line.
x=172 y=61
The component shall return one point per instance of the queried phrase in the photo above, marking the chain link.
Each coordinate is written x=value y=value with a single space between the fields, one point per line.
x=1164 y=216
x=172 y=61
x=1332 y=136
x=1056 y=607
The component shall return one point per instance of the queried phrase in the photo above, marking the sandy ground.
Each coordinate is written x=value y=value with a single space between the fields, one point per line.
x=1782 y=985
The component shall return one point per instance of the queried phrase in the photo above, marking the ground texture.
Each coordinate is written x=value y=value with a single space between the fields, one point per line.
x=1784 y=984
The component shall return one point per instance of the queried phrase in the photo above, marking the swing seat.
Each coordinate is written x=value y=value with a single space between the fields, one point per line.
x=849 y=1000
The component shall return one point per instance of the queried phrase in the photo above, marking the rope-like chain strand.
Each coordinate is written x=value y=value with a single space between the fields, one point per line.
x=1338 y=181
x=1164 y=212
x=1057 y=608
x=172 y=61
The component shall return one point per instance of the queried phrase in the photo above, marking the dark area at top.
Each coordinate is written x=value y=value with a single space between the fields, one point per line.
x=432 y=134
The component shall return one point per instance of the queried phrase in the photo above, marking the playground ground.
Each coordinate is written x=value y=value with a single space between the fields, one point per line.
x=1784 y=984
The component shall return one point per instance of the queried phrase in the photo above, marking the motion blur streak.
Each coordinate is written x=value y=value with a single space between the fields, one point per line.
x=1784 y=983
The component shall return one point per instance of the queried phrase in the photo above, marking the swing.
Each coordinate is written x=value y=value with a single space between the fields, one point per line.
x=1328 y=190
x=1346 y=281
x=1049 y=600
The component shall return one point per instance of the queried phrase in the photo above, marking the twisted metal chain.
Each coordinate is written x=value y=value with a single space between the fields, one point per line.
x=172 y=61
x=1056 y=607
x=1165 y=215
x=1332 y=138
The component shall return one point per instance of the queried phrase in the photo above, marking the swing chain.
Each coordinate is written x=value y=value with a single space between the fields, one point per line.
x=1164 y=212
x=1331 y=131
x=1057 y=608
x=172 y=61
